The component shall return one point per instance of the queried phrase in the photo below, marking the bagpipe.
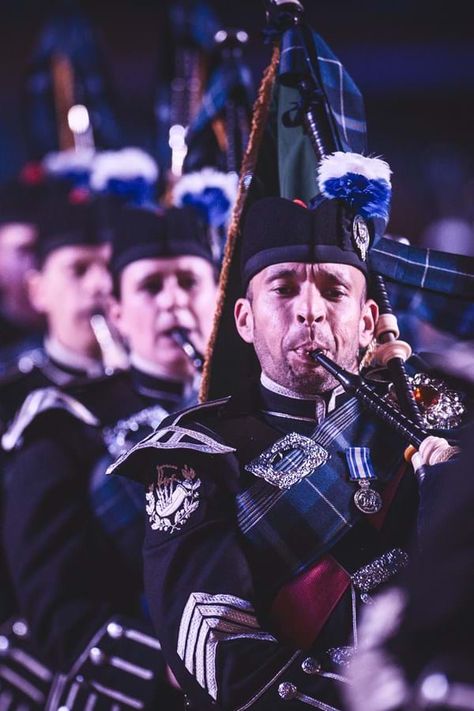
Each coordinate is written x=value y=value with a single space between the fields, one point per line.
x=307 y=109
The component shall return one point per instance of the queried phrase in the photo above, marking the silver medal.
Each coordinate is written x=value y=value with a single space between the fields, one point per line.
x=366 y=499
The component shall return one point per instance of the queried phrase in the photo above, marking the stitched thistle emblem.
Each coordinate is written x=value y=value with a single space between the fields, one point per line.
x=174 y=496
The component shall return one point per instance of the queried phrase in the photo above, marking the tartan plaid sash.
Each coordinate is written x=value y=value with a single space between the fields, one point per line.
x=287 y=531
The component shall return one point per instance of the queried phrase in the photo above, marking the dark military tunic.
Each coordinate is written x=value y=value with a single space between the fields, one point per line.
x=23 y=668
x=35 y=370
x=255 y=589
x=73 y=537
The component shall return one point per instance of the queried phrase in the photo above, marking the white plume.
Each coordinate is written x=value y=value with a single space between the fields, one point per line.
x=125 y=164
x=61 y=162
x=339 y=163
x=197 y=182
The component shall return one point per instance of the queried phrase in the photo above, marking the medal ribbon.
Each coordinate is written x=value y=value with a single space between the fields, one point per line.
x=360 y=464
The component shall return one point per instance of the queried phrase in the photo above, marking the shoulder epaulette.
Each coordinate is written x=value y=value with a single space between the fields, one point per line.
x=196 y=412
x=182 y=431
x=38 y=402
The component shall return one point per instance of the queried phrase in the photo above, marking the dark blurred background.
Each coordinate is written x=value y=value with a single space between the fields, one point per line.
x=413 y=61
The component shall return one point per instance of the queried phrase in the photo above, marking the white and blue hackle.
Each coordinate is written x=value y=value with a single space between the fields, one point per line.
x=211 y=192
x=362 y=182
x=74 y=165
x=127 y=164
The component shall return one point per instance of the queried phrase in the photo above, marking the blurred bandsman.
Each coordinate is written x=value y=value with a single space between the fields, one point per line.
x=73 y=544
x=68 y=285
x=20 y=324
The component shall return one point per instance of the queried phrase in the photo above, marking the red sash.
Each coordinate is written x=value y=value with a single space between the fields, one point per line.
x=302 y=607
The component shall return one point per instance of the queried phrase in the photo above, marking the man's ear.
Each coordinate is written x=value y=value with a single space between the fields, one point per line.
x=114 y=313
x=368 y=320
x=244 y=319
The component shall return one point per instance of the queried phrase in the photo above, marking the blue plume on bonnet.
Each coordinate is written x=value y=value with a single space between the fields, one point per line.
x=364 y=183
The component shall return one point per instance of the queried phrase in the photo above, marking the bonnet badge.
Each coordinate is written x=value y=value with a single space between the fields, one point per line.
x=360 y=236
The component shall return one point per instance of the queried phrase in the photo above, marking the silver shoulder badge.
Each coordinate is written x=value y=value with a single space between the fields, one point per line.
x=173 y=497
x=360 y=236
x=173 y=437
x=37 y=402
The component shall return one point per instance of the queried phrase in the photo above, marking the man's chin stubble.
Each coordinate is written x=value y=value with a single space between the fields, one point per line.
x=311 y=383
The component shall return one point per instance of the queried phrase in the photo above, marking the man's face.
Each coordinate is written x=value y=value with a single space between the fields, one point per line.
x=17 y=244
x=73 y=284
x=157 y=295
x=295 y=308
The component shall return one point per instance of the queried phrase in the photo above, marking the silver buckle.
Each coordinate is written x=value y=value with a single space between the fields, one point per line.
x=288 y=460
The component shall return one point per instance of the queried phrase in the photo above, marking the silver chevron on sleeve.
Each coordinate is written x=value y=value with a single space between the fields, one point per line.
x=207 y=621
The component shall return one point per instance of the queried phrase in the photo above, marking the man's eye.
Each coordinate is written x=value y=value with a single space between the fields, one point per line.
x=335 y=293
x=79 y=270
x=152 y=287
x=187 y=282
x=284 y=289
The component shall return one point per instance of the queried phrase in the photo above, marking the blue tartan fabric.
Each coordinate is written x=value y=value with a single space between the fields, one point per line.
x=224 y=81
x=343 y=97
x=451 y=315
x=292 y=529
x=441 y=272
x=117 y=503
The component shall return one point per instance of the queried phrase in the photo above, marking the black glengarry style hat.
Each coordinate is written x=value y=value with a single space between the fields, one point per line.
x=339 y=226
x=20 y=202
x=144 y=233
x=65 y=222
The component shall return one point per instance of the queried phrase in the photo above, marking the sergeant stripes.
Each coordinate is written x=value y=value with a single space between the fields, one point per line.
x=208 y=620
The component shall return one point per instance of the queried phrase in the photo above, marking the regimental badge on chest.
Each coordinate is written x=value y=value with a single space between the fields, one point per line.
x=288 y=460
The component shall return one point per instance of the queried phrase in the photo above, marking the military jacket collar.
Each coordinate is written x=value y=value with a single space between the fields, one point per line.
x=169 y=393
x=289 y=412
x=64 y=363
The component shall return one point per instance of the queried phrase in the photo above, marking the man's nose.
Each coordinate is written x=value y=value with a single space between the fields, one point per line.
x=99 y=281
x=310 y=307
x=171 y=296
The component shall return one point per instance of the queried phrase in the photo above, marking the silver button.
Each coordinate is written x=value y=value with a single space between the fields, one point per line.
x=114 y=630
x=434 y=688
x=4 y=643
x=287 y=691
x=310 y=666
x=20 y=628
x=97 y=656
